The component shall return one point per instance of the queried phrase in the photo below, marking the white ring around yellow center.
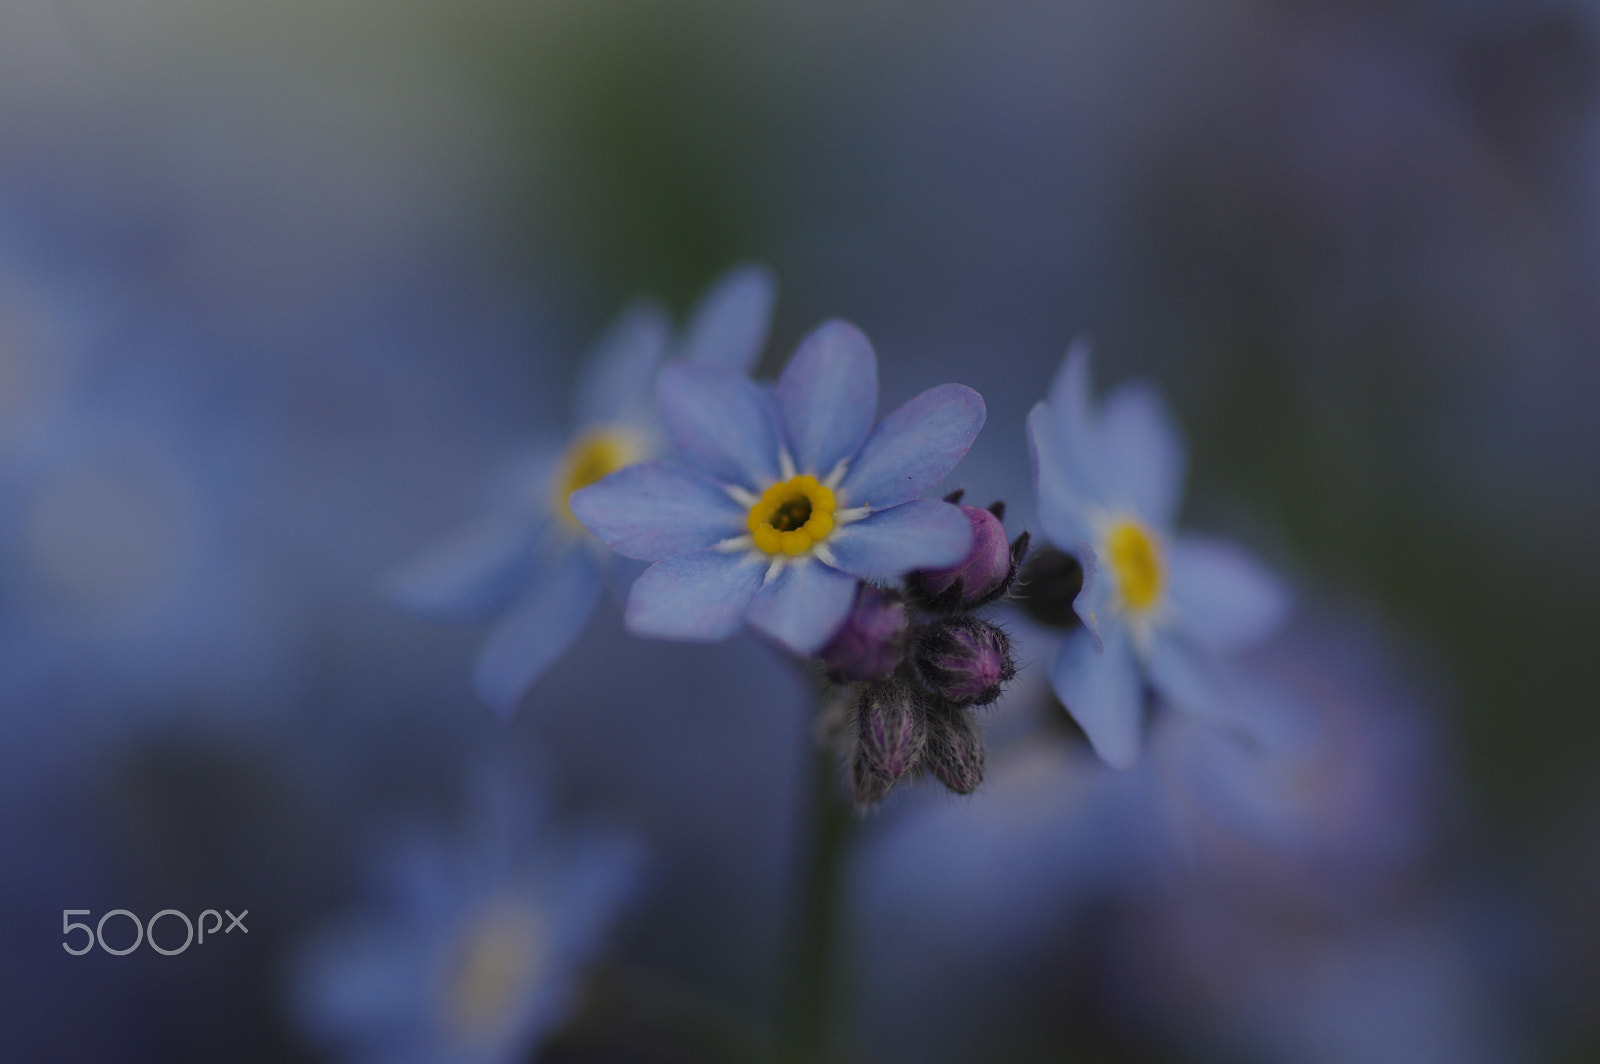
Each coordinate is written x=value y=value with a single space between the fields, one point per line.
x=592 y=457
x=1134 y=554
x=792 y=516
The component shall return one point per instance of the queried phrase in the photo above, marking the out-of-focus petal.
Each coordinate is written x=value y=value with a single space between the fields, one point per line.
x=538 y=630
x=916 y=535
x=1073 y=431
x=1141 y=453
x=472 y=575
x=720 y=421
x=617 y=380
x=1090 y=605
x=914 y=447
x=1062 y=494
x=1221 y=595
x=654 y=510
x=699 y=597
x=729 y=325
x=1102 y=692
x=828 y=396
x=1189 y=677
x=804 y=606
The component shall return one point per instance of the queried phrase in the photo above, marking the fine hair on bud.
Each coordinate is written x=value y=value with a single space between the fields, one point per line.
x=965 y=660
x=892 y=726
x=954 y=749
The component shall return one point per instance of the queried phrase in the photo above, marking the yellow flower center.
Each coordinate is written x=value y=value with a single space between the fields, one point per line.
x=1135 y=556
x=792 y=516
x=592 y=457
x=497 y=965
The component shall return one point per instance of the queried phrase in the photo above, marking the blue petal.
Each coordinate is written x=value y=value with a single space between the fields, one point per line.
x=1188 y=677
x=700 y=596
x=471 y=576
x=654 y=510
x=1221 y=595
x=1102 y=692
x=828 y=396
x=1142 y=457
x=890 y=543
x=720 y=421
x=615 y=382
x=804 y=606
x=913 y=448
x=1062 y=496
x=729 y=324
x=538 y=630
x=1073 y=429
x=1090 y=605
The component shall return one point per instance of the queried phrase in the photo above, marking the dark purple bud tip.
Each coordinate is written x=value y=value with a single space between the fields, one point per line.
x=964 y=660
x=892 y=724
x=976 y=579
x=954 y=752
x=872 y=642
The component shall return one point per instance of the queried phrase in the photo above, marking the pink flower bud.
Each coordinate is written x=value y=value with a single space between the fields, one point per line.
x=985 y=570
x=871 y=644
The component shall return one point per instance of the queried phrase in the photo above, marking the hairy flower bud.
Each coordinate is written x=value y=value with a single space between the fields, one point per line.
x=892 y=726
x=866 y=786
x=964 y=660
x=1050 y=585
x=871 y=643
x=954 y=750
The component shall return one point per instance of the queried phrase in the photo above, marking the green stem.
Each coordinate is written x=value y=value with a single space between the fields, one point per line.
x=814 y=935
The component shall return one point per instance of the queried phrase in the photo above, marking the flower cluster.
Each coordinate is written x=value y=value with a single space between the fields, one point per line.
x=917 y=662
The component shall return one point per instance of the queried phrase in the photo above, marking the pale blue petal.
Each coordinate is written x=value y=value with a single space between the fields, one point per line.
x=804 y=606
x=1188 y=677
x=1073 y=428
x=913 y=448
x=699 y=597
x=828 y=396
x=654 y=510
x=729 y=325
x=1090 y=605
x=720 y=421
x=617 y=380
x=1101 y=690
x=1141 y=453
x=1221 y=595
x=914 y=535
x=1062 y=496
x=538 y=630
x=472 y=575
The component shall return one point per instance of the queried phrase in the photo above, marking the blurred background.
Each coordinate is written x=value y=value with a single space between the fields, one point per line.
x=285 y=288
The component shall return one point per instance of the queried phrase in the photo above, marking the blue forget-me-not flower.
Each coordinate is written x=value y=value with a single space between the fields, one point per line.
x=1155 y=606
x=784 y=498
x=532 y=561
x=476 y=949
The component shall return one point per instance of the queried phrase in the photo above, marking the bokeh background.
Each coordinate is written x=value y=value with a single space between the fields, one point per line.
x=285 y=288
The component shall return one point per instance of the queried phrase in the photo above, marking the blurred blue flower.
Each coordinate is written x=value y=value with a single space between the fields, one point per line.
x=787 y=498
x=531 y=561
x=476 y=953
x=1154 y=605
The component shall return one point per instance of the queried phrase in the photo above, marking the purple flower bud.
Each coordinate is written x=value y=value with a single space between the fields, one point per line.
x=964 y=660
x=872 y=642
x=954 y=750
x=985 y=571
x=892 y=727
x=866 y=786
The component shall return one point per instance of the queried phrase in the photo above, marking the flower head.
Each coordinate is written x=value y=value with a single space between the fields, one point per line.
x=531 y=561
x=784 y=498
x=474 y=951
x=1155 y=605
